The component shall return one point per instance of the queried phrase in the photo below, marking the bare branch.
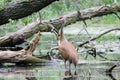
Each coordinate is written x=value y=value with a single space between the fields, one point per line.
x=96 y=37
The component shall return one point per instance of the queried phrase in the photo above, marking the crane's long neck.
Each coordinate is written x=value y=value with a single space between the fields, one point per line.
x=62 y=37
x=61 y=32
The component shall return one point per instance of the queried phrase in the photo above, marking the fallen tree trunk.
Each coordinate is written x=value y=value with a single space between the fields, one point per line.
x=21 y=35
x=24 y=55
x=21 y=8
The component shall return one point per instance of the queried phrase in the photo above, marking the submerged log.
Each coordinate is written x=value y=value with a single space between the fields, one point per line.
x=21 y=35
x=24 y=55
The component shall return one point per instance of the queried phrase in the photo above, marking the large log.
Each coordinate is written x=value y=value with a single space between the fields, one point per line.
x=24 y=55
x=21 y=8
x=26 y=32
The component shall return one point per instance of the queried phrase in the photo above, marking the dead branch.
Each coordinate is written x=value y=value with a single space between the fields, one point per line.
x=24 y=55
x=100 y=35
x=32 y=45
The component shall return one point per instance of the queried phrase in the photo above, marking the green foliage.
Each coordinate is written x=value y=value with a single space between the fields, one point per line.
x=7 y=1
x=111 y=19
x=3 y=2
x=107 y=2
x=26 y=20
x=12 y=21
x=108 y=37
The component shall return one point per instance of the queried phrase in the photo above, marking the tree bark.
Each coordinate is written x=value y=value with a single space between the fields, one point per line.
x=24 y=55
x=21 y=8
x=21 y=35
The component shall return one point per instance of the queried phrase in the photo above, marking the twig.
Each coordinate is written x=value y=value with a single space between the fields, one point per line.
x=79 y=15
x=40 y=17
x=102 y=56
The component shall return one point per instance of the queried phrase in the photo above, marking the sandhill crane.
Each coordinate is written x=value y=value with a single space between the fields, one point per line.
x=66 y=48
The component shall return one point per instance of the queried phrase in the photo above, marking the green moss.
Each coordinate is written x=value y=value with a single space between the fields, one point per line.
x=34 y=59
x=4 y=42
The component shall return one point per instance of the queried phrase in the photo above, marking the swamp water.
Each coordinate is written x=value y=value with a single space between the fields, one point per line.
x=86 y=70
x=90 y=69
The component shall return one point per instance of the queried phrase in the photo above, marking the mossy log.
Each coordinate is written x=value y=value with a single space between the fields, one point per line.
x=21 y=35
x=24 y=55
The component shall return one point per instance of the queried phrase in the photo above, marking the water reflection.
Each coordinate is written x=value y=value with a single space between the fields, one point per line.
x=31 y=78
x=111 y=76
x=70 y=76
x=17 y=73
x=109 y=72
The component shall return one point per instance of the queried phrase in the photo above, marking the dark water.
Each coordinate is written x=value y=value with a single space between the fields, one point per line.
x=86 y=70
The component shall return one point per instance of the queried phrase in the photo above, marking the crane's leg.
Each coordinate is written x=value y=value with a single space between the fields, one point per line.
x=75 y=67
x=69 y=65
x=65 y=64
